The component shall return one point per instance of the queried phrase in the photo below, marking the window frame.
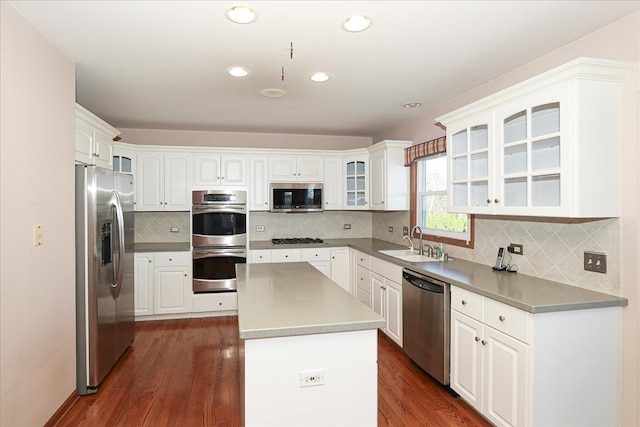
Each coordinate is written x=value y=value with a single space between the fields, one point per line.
x=413 y=206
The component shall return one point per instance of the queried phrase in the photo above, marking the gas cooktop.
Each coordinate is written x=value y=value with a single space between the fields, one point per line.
x=295 y=240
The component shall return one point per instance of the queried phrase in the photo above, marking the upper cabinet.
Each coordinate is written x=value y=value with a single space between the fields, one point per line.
x=332 y=183
x=162 y=182
x=258 y=190
x=94 y=139
x=213 y=170
x=356 y=182
x=549 y=146
x=389 y=178
x=296 y=168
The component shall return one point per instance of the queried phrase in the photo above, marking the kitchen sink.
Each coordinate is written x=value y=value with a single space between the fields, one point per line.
x=408 y=255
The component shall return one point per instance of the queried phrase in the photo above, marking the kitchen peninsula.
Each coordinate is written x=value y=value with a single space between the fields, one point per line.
x=309 y=349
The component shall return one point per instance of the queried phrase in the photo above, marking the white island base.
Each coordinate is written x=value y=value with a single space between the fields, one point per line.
x=273 y=396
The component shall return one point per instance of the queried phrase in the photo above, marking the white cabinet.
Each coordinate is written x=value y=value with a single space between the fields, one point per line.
x=94 y=139
x=340 y=268
x=286 y=255
x=386 y=279
x=217 y=303
x=532 y=149
x=258 y=184
x=356 y=182
x=212 y=170
x=124 y=159
x=300 y=168
x=260 y=256
x=508 y=363
x=162 y=182
x=388 y=177
x=332 y=193
x=320 y=258
x=143 y=284
x=162 y=283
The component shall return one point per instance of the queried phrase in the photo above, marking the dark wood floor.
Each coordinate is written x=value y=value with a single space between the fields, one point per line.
x=186 y=373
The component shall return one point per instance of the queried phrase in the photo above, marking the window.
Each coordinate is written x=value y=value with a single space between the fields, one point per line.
x=429 y=207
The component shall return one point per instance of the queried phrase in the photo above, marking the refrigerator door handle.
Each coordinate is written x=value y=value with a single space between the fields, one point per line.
x=120 y=220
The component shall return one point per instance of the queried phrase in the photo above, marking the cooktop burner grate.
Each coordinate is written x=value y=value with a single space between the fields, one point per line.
x=295 y=240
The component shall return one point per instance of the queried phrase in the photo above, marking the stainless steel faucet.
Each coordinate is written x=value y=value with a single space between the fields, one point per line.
x=429 y=250
x=406 y=236
x=420 y=230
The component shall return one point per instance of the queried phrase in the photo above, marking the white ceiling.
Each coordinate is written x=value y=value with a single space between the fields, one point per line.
x=161 y=64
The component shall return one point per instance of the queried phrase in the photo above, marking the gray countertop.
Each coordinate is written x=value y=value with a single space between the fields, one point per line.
x=528 y=293
x=162 y=247
x=285 y=299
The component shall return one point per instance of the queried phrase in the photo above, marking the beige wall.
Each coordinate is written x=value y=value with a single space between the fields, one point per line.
x=37 y=309
x=619 y=41
x=241 y=139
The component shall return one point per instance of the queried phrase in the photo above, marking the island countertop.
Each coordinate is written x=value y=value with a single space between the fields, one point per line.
x=286 y=299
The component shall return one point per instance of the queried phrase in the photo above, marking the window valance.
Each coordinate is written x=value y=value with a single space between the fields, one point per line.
x=425 y=149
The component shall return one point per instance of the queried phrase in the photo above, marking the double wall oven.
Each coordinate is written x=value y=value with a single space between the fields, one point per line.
x=219 y=238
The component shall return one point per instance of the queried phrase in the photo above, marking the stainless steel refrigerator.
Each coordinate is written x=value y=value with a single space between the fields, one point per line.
x=104 y=272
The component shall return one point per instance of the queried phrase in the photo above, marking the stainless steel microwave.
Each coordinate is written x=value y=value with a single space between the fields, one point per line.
x=296 y=197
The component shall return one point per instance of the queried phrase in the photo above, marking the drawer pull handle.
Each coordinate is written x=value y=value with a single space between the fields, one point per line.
x=502 y=318
x=477 y=339
x=170 y=259
x=464 y=302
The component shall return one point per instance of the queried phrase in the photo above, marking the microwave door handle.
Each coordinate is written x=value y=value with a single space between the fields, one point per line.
x=120 y=225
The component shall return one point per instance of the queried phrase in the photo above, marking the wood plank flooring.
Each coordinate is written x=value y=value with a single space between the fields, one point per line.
x=186 y=373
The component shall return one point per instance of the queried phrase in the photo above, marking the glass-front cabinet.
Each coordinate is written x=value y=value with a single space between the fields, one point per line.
x=549 y=146
x=356 y=188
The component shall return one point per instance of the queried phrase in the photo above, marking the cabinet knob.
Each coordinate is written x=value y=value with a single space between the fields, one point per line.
x=170 y=259
x=477 y=339
x=219 y=303
x=464 y=302
x=149 y=261
x=496 y=201
x=286 y=256
x=383 y=202
x=488 y=200
x=222 y=177
x=96 y=154
x=502 y=318
x=484 y=342
x=266 y=203
x=185 y=275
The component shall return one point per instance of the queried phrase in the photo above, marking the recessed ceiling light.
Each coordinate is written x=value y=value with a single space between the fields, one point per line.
x=241 y=14
x=237 y=71
x=272 y=93
x=320 y=77
x=412 y=105
x=356 y=23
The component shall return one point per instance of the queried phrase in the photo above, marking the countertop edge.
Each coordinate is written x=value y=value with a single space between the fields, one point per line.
x=310 y=330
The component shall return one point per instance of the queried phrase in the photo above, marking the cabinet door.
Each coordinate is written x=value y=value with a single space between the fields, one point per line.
x=84 y=142
x=103 y=150
x=150 y=182
x=233 y=170
x=171 y=290
x=362 y=287
x=282 y=169
x=377 y=180
x=143 y=284
x=323 y=266
x=310 y=169
x=393 y=310
x=378 y=289
x=505 y=378
x=259 y=184
x=177 y=193
x=340 y=272
x=466 y=358
x=206 y=169
x=332 y=184
x=356 y=180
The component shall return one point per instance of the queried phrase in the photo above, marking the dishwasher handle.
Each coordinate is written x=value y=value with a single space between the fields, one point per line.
x=425 y=283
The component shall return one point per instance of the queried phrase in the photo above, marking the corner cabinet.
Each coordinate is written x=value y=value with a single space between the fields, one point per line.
x=549 y=146
x=523 y=369
x=356 y=182
x=94 y=139
x=389 y=178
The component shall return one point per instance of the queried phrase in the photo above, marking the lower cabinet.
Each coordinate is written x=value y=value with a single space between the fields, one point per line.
x=522 y=369
x=339 y=268
x=162 y=283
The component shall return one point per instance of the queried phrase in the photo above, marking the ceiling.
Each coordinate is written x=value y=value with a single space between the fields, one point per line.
x=161 y=64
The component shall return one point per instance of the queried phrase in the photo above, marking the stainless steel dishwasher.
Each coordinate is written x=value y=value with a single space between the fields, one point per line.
x=426 y=323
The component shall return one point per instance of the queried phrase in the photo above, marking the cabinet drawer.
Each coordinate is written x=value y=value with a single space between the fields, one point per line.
x=510 y=320
x=316 y=254
x=467 y=302
x=224 y=301
x=285 y=255
x=261 y=256
x=169 y=259
x=364 y=297
x=363 y=260
x=386 y=269
x=363 y=279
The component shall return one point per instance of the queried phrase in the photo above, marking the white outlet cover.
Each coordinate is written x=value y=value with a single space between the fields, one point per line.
x=312 y=378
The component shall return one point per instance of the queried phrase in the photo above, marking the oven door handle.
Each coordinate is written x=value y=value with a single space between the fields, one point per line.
x=217 y=253
x=198 y=209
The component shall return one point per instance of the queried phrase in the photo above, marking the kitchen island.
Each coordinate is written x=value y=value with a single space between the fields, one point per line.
x=309 y=349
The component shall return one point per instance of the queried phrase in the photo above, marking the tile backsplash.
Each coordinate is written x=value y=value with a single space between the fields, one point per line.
x=553 y=248
x=324 y=225
x=154 y=227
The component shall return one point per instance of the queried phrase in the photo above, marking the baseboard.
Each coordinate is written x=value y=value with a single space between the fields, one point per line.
x=62 y=410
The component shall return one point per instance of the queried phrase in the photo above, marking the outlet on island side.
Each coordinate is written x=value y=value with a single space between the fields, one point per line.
x=311 y=378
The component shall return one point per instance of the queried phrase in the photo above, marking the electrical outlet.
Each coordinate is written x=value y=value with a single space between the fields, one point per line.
x=595 y=261
x=174 y=229
x=347 y=226
x=390 y=229
x=311 y=378
x=259 y=227
x=515 y=248
x=405 y=231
